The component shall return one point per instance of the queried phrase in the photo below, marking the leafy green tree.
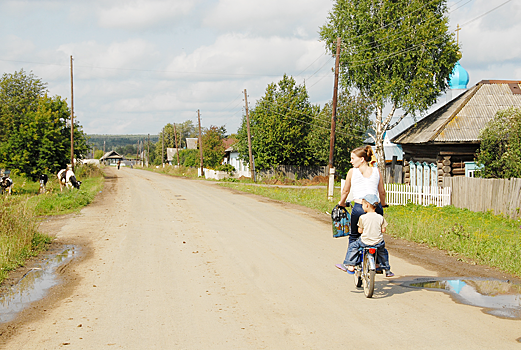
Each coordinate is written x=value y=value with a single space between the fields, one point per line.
x=184 y=130
x=213 y=146
x=41 y=142
x=98 y=154
x=397 y=53
x=352 y=122
x=189 y=157
x=128 y=151
x=500 y=149
x=279 y=124
x=19 y=94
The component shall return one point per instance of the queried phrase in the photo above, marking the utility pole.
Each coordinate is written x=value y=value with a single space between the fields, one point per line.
x=200 y=143
x=252 y=164
x=163 y=148
x=72 y=120
x=176 y=149
x=148 y=151
x=137 y=152
x=331 y=183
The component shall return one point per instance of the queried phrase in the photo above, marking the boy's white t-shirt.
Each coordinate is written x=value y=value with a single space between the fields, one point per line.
x=372 y=224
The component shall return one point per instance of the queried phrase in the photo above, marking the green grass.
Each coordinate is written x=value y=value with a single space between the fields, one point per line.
x=20 y=213
x=311 y=198
x=482 y=238
x=174 y=171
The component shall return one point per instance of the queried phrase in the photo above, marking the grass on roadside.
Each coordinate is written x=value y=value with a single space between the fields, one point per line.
x=19 y=214
x=174 y=171
x=480 y=237
x=484 y=238
x=19 y=238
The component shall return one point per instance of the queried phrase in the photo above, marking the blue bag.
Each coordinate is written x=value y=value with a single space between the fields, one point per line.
x=341 y=221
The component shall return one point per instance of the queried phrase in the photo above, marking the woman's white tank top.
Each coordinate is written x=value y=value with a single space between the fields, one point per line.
x=361 y=186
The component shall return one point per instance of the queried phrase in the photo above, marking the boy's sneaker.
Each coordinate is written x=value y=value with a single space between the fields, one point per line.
x=341 y=267
x=388 y=273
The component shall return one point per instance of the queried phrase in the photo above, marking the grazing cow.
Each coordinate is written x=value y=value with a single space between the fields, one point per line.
x=43 y=181
x=6 y=184
x=67 y=178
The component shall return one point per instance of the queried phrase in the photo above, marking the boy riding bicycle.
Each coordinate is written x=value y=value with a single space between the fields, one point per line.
x=372 y=226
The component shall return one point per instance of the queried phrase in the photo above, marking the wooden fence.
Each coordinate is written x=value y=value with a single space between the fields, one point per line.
x=401 y=194
x=502 y=196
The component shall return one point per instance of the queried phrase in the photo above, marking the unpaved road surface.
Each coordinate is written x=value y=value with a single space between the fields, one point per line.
x=171 y=263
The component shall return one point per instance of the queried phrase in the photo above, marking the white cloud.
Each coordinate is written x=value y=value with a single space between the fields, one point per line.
x=269 y=17
x=117 y=59
x=236 y=54
x=136 y=14
x=489 y=40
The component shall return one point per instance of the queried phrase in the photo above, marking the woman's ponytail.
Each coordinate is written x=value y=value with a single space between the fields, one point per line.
x=371 y=157
x=366 y=153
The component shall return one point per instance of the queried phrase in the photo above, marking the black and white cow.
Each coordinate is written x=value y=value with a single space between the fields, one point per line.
x=67 y=178
x=6 y=184
x=43 y=181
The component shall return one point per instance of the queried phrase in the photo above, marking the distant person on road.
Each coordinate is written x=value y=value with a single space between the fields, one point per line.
x=371 y=227
x=119 y=164
x=362 y=179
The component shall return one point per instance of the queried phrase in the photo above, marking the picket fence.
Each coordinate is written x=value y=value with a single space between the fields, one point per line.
x=401 y=194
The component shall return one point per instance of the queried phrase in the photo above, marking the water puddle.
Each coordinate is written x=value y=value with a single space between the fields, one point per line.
x=496 y=297
x=34 y=285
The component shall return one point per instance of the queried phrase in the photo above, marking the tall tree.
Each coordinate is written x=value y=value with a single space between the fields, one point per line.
x=500 y=149
x=213 y=146
x=19 y=93
x=397 y=53
x=279 y=123
x=184 y=130
x=352 y=122
x=41 y=141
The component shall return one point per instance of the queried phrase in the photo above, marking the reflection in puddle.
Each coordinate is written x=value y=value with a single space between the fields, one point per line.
x=34 y=285
x=499 y=298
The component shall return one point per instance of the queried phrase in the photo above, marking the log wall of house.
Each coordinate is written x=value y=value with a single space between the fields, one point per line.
x=450 y=160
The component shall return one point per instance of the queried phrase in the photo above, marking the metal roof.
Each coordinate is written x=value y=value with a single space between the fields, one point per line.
x=462 y=119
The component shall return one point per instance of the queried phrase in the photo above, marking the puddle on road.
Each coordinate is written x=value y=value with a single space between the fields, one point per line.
x=34 y=285
x=496 y=297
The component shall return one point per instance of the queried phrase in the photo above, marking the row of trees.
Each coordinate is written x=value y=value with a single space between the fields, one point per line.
x=287 y=129
x=35 y=128
x=212 y=139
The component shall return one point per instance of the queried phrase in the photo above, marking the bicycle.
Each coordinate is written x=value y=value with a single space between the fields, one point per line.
x=365 y=270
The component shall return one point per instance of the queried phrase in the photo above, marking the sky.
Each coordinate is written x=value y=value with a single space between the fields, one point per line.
x=140 y=64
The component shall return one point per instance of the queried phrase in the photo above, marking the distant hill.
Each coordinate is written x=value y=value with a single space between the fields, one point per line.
x=112 y=142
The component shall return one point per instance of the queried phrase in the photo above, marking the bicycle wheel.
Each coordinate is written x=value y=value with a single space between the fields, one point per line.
x=367 y=277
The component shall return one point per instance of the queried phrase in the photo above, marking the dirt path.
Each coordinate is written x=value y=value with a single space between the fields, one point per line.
x=181 y=264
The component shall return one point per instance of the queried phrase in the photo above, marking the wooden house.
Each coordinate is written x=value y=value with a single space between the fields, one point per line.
x=448 y=138
x=111 y=158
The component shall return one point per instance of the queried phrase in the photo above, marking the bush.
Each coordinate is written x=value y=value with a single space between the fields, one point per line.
x=189 y=157
x=500 y=149
x=226 y=167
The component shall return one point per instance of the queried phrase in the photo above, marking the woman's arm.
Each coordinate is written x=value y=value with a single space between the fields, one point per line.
x=381 y=190
x=346 y=189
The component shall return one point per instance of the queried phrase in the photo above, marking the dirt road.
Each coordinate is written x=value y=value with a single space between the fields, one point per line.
x=173 y=263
